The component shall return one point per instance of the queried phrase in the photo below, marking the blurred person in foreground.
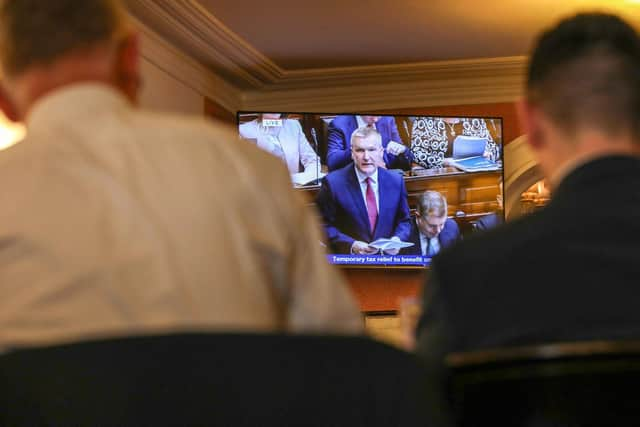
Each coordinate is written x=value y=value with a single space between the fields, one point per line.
x=568 y=272
x=119 y=222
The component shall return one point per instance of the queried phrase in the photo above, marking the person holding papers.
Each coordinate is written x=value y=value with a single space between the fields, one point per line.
x=362 y=202
x=284 y=139
x=432 y=230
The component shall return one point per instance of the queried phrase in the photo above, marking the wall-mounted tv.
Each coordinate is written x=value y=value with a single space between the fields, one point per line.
x=390 y=190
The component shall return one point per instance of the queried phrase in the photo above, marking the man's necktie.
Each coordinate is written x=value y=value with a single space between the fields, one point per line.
x=372 y=209
x=431 y=251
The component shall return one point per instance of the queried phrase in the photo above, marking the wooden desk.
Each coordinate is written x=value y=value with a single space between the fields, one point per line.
x=469 y=195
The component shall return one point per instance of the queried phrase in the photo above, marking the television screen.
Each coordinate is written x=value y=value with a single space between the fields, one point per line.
x=390 y=190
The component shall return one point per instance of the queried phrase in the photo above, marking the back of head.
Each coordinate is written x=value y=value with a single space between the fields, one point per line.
x=37 y=32
x=584 y=74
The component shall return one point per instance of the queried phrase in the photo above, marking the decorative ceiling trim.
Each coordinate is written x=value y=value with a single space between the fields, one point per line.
x=446 y=88
x=188 y=71
x=410 y=72
x=245 y=79
x=202 y=32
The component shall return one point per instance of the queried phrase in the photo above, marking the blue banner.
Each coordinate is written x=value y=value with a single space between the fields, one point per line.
x=412 y=260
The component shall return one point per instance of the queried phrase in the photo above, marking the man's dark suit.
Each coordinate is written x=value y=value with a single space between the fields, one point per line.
x=448 y=236
x=339 y=142
x=570 y=271
x=489 y=221
x=344 y=213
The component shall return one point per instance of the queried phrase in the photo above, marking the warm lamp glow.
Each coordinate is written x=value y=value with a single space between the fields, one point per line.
x=10 y=133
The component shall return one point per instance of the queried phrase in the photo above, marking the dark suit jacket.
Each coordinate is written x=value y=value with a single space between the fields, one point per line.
x=344 y=213
x=339 y=142
x=570 y=271
x=448 y=236
x=489 y=221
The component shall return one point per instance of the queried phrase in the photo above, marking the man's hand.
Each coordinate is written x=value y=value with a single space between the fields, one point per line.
x=393 y=251
x=362 y=248
x=395 y=148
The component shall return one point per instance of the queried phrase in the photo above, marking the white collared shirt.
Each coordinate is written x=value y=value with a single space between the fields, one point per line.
x=425 y=241
x=363 y=186
x=119 y=222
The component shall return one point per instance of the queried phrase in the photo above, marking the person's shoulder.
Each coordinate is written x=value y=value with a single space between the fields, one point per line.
x=234 y=155
x=340 y=175
x=248 y=129
x=451 y=224
x=488 y=221
x=21 y=164
x=165 y=122
x=342 y=120
x=488 y=250
x=389 y=176
x=189 y=130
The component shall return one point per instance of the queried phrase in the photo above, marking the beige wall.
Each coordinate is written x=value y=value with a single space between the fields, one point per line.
x=174 y=81
x=163 y=92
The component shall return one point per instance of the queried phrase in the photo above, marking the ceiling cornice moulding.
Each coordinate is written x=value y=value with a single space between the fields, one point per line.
x=188 y=71
x=215 y=43
x=411 y=72
x=202 y=32
x=448 y=88
x=251 y=81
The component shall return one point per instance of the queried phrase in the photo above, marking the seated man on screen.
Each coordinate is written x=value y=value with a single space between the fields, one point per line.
x=431 y=230
x=362 y=202
x=395 y=154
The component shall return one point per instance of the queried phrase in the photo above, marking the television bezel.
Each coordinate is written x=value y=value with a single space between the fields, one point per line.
x=387 y=114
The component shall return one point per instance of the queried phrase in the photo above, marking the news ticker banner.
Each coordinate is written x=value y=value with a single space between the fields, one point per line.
x=413 y=260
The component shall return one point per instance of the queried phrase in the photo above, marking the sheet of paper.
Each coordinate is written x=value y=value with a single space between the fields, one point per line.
x=303 y=178
x=387 y=244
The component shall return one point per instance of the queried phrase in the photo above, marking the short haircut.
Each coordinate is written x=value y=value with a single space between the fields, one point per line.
x=432 y=203
x=37 y=32
x=366 y=133
x=585 y=73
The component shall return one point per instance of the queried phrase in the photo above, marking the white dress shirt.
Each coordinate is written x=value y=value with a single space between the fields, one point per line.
x=116 y=222
x=426 y=241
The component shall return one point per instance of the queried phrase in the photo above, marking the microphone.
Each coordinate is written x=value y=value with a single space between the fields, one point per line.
x=406 y=128
x=314 y=135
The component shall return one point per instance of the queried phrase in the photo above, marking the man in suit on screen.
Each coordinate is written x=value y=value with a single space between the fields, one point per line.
x=395 y=154
x=431 y=229
x=362 y=202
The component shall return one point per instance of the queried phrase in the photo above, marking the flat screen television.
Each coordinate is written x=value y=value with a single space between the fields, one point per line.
x=377 y=181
